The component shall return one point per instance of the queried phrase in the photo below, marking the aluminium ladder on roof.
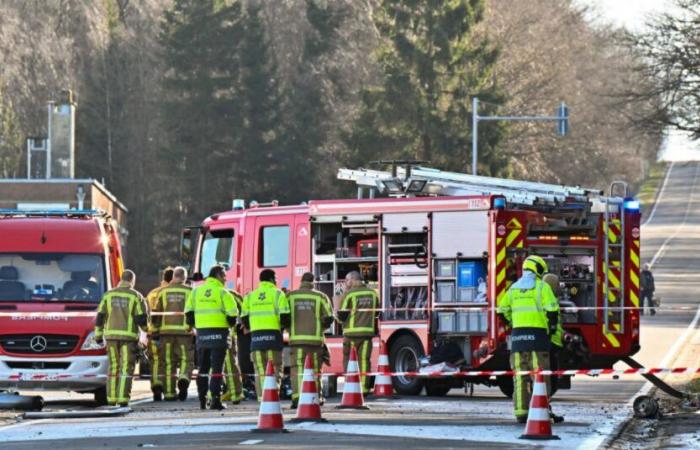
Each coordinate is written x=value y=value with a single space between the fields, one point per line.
x=452 y=183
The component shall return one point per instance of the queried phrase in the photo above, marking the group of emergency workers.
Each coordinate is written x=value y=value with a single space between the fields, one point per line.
x=175 y=312
x=178 y=319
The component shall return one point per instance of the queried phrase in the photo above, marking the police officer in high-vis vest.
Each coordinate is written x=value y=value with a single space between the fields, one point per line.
x=175 y=335
x=155 y=360
x=265 y=313
x=232 y=372
x=359 y=313
x=122 y=311
x=532 y=311
x=311 y=315
x=212 y=311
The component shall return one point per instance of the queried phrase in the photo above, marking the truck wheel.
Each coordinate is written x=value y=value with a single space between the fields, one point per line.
x=505 y=384
x=100 y=396
x=437 y=388
x=404 y=356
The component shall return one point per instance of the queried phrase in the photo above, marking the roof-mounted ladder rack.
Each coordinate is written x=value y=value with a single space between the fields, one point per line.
x=427 y=181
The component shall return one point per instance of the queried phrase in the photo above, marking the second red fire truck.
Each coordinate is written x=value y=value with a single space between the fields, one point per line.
x=441 y=248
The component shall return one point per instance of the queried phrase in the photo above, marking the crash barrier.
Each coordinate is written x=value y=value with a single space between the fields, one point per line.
x=435 y=374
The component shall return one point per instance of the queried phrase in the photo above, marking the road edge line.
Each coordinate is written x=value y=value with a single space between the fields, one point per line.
x=659 y=193
x=644 y=390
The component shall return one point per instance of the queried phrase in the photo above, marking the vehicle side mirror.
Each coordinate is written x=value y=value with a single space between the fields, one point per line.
x=188 y=238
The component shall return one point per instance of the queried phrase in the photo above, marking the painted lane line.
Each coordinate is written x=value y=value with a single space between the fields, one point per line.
x=661 y=193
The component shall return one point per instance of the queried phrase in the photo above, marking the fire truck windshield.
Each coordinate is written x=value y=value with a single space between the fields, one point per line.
x=51 y=277
x=217 y=248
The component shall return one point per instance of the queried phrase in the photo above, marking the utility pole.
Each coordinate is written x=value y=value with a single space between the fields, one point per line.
x=561 y=117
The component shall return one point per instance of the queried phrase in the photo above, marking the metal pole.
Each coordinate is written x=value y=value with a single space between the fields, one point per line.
x=48 y=142
x=475 y=133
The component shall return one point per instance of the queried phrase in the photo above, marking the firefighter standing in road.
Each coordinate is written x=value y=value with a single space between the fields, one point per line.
x=265 y=313
x=532 y=311
x=232 y=373
x=122 y=311
x=212 y=311
x=358 y=313
x=175 y=335
x=155 y=361
x=647 y=289
x=311 y=315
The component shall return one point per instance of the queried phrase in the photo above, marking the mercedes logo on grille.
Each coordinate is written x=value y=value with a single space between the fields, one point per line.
x=38 y=344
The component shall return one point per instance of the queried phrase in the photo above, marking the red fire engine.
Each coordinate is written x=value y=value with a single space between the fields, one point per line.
x=441 y=248
x=54 y=268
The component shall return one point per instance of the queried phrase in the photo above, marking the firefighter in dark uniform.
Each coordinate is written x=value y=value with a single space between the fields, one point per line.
x=155 y=360
x=232 y=372
x=532 y=311
x=311 y=315
x=174 y=335
x=265 y=313
x=358 y=314
x=212 y=311
x=122 y=311
x=647 y=290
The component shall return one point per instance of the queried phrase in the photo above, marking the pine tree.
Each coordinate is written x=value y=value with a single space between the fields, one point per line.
x=10 y=139
x=432 y=66
x=201 y=114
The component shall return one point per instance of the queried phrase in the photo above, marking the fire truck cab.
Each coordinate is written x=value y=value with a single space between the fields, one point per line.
x=441 y=249
x=54 y=268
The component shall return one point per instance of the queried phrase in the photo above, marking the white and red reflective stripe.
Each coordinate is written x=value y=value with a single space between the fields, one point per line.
x=270 y=408
x=538 y=415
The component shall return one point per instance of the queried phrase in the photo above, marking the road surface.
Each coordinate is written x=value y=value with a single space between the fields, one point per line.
x=595 y=408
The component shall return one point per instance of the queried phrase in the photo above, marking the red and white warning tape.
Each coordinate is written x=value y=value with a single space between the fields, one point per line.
x=63 y=315
x=437 y=374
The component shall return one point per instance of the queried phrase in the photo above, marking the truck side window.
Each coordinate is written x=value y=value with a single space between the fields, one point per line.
x=274 y=246
x=217 y=248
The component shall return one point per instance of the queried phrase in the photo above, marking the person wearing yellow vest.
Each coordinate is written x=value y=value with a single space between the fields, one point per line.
x=311 y=314
x=155 y=360
x=120 y=314
x=532 y=311
x=557 y=338
x=265 y=313
x=175 y=335
x=358 y=314
x=212 y=311
x=232 y=372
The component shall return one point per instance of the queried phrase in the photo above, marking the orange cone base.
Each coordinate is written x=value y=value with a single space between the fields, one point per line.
x=351 y=407
x=538 y=437
x=269 y=430
x=297 y=420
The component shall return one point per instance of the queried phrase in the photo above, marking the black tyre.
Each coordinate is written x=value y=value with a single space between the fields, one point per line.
x=100 y=396
x=505 y=384
x=437 y=388
x=404 y=356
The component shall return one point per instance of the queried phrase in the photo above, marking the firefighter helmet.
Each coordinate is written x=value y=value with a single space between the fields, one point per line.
x=535 y=264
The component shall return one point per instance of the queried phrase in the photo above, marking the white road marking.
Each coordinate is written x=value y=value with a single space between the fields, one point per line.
x=251 y=442
x=661 y=249
x=661 y=193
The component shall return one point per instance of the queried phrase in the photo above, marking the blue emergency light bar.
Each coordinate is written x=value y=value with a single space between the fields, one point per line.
x=52 y=213
x=631 y=205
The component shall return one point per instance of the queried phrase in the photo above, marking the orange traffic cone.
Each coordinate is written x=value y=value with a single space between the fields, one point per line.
x=308 y=409
x=270 y=418
x=382 y=382
x=539 y=425
x=352 y=391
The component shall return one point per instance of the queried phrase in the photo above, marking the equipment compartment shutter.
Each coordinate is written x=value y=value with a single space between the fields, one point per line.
x=462 y=234
x=405 y=223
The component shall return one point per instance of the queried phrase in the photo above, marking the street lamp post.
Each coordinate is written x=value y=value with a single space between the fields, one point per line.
x=562 y=119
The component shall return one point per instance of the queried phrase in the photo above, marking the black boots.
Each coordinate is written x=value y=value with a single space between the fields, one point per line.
x=182 y=386
x=216 y=404
x=157 y=393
